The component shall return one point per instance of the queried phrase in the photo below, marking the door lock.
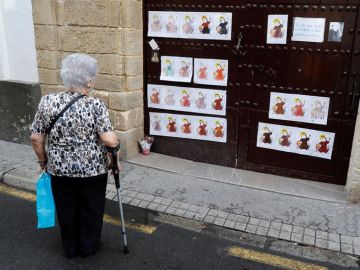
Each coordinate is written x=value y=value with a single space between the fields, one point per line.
x=237 y=50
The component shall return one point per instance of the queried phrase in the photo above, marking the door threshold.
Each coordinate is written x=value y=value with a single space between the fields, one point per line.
x=250 y=179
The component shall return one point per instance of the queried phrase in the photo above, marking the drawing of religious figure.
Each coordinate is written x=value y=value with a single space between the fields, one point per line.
x=202 y=72
x=205 y=26
x=266 y=136
x=323 y=145
x=222 y=27
x=202 y=130
x=218 y=130
x=277 y=31
x=154 y=98
x=285 y=138
x=217 y=105
x=185 y=99
x=219 y=73
x=298 y=109
x=279 y=107
x=184 y=70
x=156 y=24
x=186 y=127
x=188 y=27
x=318 y=112
x=169 y=98
x=169 y=69
x=171 y=126
x=157 y=123
x=200 y=102
x=303 y=142
x=171 y=26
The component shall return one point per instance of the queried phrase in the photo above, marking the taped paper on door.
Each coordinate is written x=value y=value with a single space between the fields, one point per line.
x=188 y=126
x=211 y=71
x=308 y=29
x=277 y=29
x=300 y=108
x=195 y=25
x=176 y=69
x=198 y=100
x=336 y=30
x=295 y=140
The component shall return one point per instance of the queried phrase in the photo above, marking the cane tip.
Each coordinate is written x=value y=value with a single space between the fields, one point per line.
x=126 y=250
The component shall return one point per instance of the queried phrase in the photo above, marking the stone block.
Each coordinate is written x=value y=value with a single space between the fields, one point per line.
x=86 y=12
x=109 y=64
x=88 y=39
x=48 y=59
x=43 y=12
x=48 y=89
x=125 y=101
x=134 y=82
x=131 y=41
x=114 y=13
x=112 y=116
x=60 y=12
x=46 y=37
x=133 y=65
x=129 y=142
x=102 y=95
x=109 y=82
x=130 y=119
x=49 y=76
x=131 y=14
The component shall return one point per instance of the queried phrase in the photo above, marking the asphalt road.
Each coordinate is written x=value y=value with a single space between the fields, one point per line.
x=22 y=246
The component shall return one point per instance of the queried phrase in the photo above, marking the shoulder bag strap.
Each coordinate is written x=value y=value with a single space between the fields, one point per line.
x=62 y=112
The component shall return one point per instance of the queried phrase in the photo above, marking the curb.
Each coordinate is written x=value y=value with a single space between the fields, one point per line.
x=306 y=236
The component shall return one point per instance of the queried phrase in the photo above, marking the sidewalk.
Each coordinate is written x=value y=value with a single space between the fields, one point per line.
x=305 y=212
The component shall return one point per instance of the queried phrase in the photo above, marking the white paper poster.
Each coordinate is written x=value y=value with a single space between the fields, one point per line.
x=308 y=29
x=336 y=30
x=300 y=108
x=277 y=29
x=199 y=100
x=295 y=140
x=195 y=25
x=211 y=71
x=188 y=126
x=176 y=69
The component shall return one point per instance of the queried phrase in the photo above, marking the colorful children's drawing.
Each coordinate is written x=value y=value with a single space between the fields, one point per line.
x=219 y=73
x=323 y=145
x=155 y=96
x=303 y=142
x=279 y=107
x=186 y=127
x=169 y=99
x=156 y=24
x=298 y=109
x=222 y=27
x=218 y=130
x=169 y=69
x=185 y=99
x=217 y=102
x=157 y=123
x=266 y=136
x=277 y=29
x=171 y=26
x=202 y=72
x=171 y=125
x=184 y=70
x=318 y=112
x=202 y=130
x=200 y=102
x=285 y=138
x=188 y=27
x=205 y=27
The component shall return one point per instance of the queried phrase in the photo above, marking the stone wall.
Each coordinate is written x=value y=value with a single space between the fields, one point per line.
x=109 y=30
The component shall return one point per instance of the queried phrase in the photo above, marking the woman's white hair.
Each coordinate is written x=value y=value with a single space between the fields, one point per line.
x=77 y=69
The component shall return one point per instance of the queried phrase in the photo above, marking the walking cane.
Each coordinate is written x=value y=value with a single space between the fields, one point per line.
x=115 y=169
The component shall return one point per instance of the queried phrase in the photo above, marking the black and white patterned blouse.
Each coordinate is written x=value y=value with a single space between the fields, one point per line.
x=74 y=142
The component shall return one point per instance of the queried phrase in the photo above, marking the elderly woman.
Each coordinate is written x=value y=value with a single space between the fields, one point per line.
x=77 y=157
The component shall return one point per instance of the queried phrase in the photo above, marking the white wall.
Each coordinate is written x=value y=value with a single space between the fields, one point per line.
x=17 y=43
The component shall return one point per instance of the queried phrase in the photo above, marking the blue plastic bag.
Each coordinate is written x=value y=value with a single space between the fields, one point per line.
x=45 y=206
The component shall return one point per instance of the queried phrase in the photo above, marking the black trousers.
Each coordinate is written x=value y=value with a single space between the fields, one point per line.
x=80 y=204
